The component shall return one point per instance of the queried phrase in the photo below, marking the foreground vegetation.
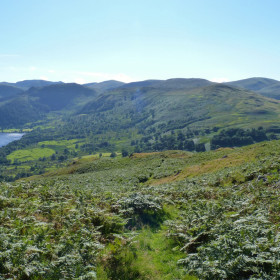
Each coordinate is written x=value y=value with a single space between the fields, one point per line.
x=165 y=215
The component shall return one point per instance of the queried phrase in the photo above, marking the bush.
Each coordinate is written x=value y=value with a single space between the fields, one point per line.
x=113 y=155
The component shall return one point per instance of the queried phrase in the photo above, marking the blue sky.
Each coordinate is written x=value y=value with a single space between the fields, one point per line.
x=92 y=41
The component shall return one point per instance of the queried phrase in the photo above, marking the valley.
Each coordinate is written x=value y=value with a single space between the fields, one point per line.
x=139 y=140
x=155 y=115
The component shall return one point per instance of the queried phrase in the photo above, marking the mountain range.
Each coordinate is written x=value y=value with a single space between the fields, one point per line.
x=26 y=84
x=66 y=120
x=266 y=87
x=173 y=103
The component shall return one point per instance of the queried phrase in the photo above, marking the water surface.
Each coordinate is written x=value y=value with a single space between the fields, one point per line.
x=6 y=138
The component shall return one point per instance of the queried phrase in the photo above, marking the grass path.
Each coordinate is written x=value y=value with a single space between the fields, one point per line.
x=157 y=256
x=150 y=256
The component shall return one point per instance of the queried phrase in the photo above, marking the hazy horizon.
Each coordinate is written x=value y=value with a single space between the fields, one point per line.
x=215 y=81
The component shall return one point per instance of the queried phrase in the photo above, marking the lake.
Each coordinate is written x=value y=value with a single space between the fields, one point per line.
x=6 y=138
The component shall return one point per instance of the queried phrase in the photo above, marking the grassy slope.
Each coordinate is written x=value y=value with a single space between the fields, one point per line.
x=163 y=167
x=224 y=186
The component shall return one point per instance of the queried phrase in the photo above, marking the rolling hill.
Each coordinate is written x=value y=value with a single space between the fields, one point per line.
x=103 y=86
x=26 y=84
x=61 y=96
x=266 y=87
x=34 y=104
x=151 y=108
x=170 y=84
x=19 y=111
x=191 y=103
x=8 y=92
x=183 y=84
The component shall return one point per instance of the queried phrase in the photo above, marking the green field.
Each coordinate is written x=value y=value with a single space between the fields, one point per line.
x=30 y=154
x=14 y=130
x=64 y=143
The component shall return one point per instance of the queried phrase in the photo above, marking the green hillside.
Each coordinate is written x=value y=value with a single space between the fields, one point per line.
x=33 y=105
x=202 y=107
x=263 y=86
x=8 y=92
x=171 y=215
x=104 y=86
x=20 y=110
x=61 y=96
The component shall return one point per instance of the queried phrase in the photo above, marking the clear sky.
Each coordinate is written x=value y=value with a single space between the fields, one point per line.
x=96 y=40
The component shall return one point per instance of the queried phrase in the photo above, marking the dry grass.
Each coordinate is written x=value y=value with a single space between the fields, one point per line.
x=233 y=159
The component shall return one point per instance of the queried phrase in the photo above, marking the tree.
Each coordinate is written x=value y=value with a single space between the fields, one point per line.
x=113 y=155
x=200 y=147
x=124 y=153
x=189 y=145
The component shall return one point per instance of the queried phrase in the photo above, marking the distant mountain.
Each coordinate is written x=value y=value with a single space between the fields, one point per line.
x=103 y=86
x=26 y=84
x=151 y=105
x=19 y=111
x=263 y=86
x=182 y=84
x=35 y=103
x=194 y=103
x=170 y=84
x=7 y=92
x=146 y=83
x=61 y=96
x=149 y=89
